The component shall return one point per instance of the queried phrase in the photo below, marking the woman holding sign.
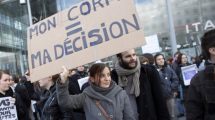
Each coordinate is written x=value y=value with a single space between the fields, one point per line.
x=182 y=61
x=102 y=100
x=7 y=100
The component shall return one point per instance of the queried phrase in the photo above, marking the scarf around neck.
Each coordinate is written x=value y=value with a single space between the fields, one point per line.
x=122 y=77
x=103 y=91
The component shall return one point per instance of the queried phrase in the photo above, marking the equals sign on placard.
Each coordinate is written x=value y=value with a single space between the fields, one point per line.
x=73 y=28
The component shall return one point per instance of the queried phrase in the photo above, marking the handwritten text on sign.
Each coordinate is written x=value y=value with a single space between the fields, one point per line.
x=7 y=110
x=84 y=33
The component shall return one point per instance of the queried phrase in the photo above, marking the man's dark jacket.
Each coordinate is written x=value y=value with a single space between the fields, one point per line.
x=200 y=102
x=51 y=109
x=75 y=89
x=151 y=103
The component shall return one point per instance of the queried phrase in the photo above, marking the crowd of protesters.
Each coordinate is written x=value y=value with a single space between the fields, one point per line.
x=145 y=87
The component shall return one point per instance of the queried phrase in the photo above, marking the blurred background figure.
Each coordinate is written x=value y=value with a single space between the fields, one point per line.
x=25 y=92
x=143 y=60
x=13 y=81
x=193 y=60
x=50 y=107
x=81 y=71
x=170 y=61
x=181 y=61
x=175 y=63
x=150 y=58
x=169 y=83
x=72 y=72
x=74 y=88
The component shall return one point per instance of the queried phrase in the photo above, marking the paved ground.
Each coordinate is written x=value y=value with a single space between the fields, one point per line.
x=182 y=118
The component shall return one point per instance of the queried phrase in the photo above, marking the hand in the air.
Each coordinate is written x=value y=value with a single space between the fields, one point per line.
x=64 y=75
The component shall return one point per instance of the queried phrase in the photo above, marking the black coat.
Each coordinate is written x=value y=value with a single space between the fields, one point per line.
x=73 y=84
x=52 y=111
x=22 y=110
x=181 y=81
x=151 y=103
x=200 y=103
x=23 y=100
x=22 y=90
x=73 y=90
x=8 y=93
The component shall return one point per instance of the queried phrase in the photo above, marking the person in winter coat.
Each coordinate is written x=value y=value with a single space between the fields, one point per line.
x=75 y=89
x=174 y=65
x=169 y=83
x=102 y=100
x=6 y=91
x=51 y=110
x=182 y=61
x=142 y=85
x=200 y=103
x=14 y=79
x=22 y=92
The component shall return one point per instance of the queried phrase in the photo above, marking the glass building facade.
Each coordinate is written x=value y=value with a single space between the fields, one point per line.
x=191 y=19
x=42 y=9
x=13 y=35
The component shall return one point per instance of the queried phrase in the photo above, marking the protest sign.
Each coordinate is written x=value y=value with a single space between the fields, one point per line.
x=82 y=81
x=188 y=72
x=7 y=110
x=81 y=34
x=152 y=45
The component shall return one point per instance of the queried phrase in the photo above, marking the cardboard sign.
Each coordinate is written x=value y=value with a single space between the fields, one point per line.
x=188 y=72
x=84 y=33
x=7 y=110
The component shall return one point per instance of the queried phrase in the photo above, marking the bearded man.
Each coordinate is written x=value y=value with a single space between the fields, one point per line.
x=142 y=84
